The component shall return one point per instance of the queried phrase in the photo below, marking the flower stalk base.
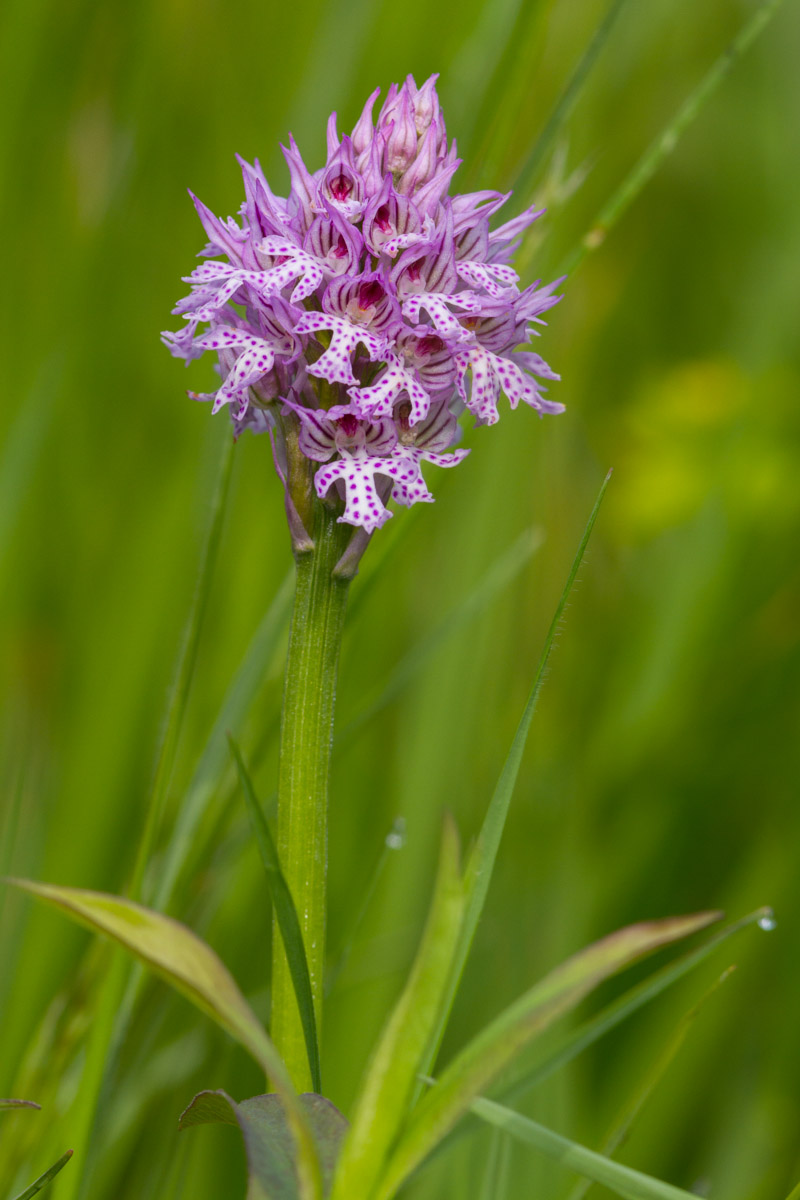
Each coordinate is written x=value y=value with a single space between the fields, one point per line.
x=305 y=752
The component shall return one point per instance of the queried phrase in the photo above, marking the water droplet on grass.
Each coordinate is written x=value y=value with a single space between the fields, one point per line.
x=396 y=837
x=768 y=921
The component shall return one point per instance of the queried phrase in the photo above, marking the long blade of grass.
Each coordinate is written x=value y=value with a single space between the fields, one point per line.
x=482 y=859
x=652 y=1078
x=286 y=914
x=666 y=141
x=111 y=1011
x=394 y=841
x=184 y=670
x=232 y=713
x=177 y=955
x=495 y=1179
x=500 y=574
x=43 y=1180
x=18 y=1104
x=531 y=1074
x=568 y=98
x=630 y=1184
x=795 y=1193
x=389 y=1080
x=488 y=1054
x=586 y=1034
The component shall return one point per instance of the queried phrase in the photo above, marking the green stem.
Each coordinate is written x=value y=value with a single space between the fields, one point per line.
x=306 y=737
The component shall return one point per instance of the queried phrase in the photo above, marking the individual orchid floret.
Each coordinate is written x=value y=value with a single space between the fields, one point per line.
x=358 y=317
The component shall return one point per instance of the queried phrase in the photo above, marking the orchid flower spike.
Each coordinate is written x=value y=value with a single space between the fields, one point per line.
x=357 y=318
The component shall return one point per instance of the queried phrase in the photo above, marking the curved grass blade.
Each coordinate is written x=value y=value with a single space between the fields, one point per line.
x=43 y=1180
x=500 y=574
x=286 y=915
x=481 y=862
x=488 y=1054
x=630 y=1184
x=666 y=141
x=177 y=955
x=394 y=840
x=795 y=1193
x=19 y=1104
x=111 y=1010
x=652 y=1078
x=586 y=1034
x=568 y=98
x=184 y=670
x=233 y=711
x=391 y=1075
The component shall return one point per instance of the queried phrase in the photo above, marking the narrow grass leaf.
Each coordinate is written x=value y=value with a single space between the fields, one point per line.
x=500 y=574
x=234 y=709
x=184 y=670
x=177 y=955
x=630 y=1184
x=568 y=99
x=43 y=1180
x=267 y=1137
x=488 y=1054
x=495 y=1179
x=650 y=1081
x=588 y=1032
x=666 y=142
x=19 y=1104
x=482 y=859
x=286 y=914
x=795 y=1193
x=394 y=841
x=391 y=1075
x=114 y=1001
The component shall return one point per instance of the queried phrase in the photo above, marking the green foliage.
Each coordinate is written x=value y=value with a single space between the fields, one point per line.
x=286 y=915
x=483 y=1059
x=268 y=1139
x=44 y=1179
x=661 y=773
x=631 y=1185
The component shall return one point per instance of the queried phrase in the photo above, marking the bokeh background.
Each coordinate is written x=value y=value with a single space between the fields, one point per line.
x=662 y=772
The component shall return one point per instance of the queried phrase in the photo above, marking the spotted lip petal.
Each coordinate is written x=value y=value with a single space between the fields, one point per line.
x=369 y=289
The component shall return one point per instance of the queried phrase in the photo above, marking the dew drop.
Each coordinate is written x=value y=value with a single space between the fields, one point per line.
x=767 y=922
x=396 y=837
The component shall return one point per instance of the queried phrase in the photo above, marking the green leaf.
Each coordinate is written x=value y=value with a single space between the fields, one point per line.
x=233 y=711
x=390 y=1078
x=666 y=141
x=567 y=99
x=267 y=1137
x=652 y=1078
x=481 y=862
x=286 y=914
x=184 y=669
x=497 y=1046
x=43 y=1180
x=588 y=1032
x=630 y=1184
x=19 y=1104
x=176 y=954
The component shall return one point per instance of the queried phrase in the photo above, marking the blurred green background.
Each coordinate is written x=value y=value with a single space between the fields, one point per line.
x=662 y=774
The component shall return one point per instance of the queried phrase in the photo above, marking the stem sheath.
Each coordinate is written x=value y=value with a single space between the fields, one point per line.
x=305 y=752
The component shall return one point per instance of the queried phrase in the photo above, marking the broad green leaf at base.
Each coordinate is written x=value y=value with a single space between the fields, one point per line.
x=268 y=1140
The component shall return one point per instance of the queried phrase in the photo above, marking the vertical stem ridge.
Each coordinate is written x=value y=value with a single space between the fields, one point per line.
x=306 y=739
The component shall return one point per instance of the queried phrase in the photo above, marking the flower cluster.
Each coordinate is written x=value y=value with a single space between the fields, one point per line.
x=365 y=312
